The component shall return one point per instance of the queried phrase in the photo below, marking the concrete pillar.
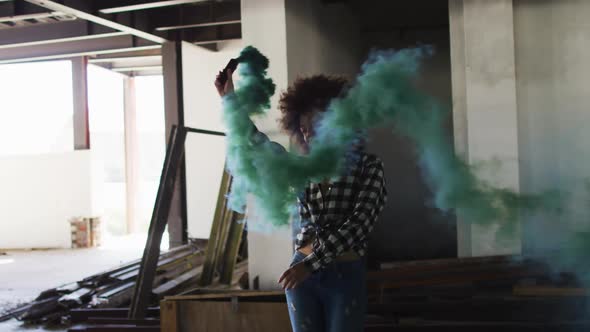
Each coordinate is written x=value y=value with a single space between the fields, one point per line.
x=174 y=115
x=485 y=107
x=80 y=97
x=552 y=51
x=131 y=176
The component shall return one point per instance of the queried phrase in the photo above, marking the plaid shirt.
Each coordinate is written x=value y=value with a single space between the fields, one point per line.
x=342 y=219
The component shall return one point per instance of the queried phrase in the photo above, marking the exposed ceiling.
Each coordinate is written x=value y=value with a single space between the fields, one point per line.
x=122 y=35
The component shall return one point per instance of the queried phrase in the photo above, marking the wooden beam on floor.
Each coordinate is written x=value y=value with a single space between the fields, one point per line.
x=149 y=262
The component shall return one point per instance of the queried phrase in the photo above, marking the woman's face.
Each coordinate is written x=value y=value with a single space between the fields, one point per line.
x=307 y=126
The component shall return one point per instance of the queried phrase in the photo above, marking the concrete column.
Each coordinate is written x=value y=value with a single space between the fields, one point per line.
x=174 y=115
x=264 y=26
x=131 y=176
x=485 y=108
x=552 y=51
x=80 y=97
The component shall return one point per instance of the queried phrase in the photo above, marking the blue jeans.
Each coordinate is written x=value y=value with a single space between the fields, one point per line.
x=333 y=299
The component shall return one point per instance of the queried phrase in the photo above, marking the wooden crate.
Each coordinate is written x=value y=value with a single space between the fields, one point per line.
x=227 y=311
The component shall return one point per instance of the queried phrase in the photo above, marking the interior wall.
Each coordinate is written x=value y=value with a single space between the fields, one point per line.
x=331 y=35
x=552 y=50
x=337 y=38
x=485 y=112
x=204 y=154
x=409 y=228
x=263 y=26
x=322 y=37
x=59 y=186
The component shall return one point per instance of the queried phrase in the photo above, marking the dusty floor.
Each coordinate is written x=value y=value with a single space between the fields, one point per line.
x=25 y=273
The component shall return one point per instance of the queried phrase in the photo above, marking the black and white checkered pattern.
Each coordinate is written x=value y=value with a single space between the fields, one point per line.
x=342 y=220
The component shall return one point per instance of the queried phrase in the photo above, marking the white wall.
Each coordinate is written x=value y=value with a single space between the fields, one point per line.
x=263 y=26
x=553 y=94
x=204 y=154
x=547 y=44
x=202 y=107
x=205 y=162
x=39 y=195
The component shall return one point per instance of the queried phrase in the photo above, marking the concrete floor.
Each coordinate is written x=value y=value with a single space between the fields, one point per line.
x=25 y=273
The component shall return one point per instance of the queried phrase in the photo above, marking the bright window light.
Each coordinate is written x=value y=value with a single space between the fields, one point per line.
x=36 y=108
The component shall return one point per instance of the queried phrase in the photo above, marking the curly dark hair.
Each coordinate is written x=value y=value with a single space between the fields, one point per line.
x=306 y=93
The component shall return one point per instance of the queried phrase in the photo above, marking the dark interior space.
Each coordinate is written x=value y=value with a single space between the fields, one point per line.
x=409 y=227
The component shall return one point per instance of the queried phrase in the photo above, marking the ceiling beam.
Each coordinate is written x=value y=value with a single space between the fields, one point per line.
x=37 y=16
x=205 y=42
x=148 y=5
x=87 y=53
x=198 y=25
x=63 y=40
x=38 y=32
x=99 y=42
x=55 y=6
x=137 y=68
x=131 y=58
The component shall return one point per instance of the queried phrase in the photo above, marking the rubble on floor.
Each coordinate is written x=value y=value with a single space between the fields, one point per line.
x=177 y=268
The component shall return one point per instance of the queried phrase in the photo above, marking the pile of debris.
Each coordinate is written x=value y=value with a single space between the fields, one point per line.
x=500 y=293
x=178 y=270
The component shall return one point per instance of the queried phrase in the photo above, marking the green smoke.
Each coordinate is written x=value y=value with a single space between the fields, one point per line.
x=383 y=94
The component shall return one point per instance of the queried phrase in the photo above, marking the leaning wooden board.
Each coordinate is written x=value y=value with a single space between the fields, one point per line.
x=251 y=311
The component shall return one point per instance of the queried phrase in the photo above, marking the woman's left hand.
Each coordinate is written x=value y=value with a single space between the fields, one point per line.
x=294 y=276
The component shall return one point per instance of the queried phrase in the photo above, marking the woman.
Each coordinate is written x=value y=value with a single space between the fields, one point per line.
x=325 y=283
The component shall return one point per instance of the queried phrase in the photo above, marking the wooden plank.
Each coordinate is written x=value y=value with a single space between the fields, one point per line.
x=220 y=244
x=481 y=327
x=429 y=264
x=486 y=309
x=225 y=294
x=232 y=246
x=169 y=316
x=226 y=316
x=133 y=264
x=81 y=315
x=177 y=282
x=158 y=223
x=488 y=272
x=422 y=270
x=116 y=328
x=549 y=291
x=454 y=280
x=216 y=229
x=126 y=321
